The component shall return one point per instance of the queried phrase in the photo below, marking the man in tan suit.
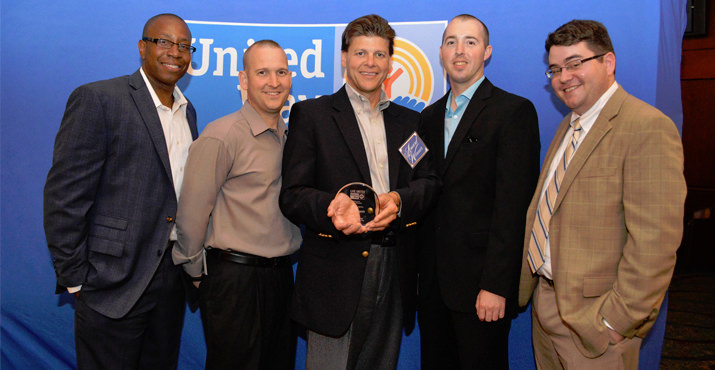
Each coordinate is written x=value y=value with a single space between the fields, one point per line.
x=606 y=219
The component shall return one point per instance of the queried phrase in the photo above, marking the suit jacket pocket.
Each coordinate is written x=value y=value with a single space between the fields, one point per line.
x=106 y=235
x=596 y=286
x=473 y=143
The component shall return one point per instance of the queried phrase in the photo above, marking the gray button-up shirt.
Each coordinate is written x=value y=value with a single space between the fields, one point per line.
x=230 y=193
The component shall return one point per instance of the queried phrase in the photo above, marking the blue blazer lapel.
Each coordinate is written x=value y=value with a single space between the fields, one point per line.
x=145 y=106
x=475 y=106
x=344 y=117
x=191 y=118
x=435 y=129
x=395 y=138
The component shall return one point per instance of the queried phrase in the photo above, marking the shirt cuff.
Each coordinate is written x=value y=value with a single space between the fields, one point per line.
x=74 y=289
x=607 y=324
x=195 y=268
x=399 y=206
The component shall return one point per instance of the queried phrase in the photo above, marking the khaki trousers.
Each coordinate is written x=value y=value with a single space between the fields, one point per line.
x=554 y=346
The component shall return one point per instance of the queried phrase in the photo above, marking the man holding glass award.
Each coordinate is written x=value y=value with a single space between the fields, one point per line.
x=357 y=175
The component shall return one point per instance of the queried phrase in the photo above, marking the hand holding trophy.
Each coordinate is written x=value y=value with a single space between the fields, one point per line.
x=353 y=207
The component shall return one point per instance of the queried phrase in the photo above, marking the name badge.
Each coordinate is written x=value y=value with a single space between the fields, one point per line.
x=414 y=149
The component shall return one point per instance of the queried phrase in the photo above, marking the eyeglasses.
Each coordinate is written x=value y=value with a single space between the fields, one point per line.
x=571 y=66
x=168 y=44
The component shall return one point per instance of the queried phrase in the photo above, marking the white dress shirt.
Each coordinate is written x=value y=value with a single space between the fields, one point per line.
x=176 y=134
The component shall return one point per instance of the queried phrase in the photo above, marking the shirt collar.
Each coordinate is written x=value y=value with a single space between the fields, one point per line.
x=588 y=118
x=256 y=122
x=178 y=96
x=357 y=99
x=468 y=93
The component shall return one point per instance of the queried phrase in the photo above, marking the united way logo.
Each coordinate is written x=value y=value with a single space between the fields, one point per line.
x=313 y=53
x=411 y=79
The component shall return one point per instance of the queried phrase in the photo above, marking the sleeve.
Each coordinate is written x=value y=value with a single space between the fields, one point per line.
x=653 y=197
x=301 y=201
x=517 y=171
x=205 y=172
x=72 y=184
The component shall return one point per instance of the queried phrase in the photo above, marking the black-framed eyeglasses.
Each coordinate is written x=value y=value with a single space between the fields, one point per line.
x=168 y=44
x=571 y=66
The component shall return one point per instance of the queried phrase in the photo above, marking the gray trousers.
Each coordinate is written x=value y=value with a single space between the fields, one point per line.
x=374 y=337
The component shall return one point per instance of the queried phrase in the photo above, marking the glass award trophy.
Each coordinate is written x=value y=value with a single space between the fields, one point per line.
x=365 y=197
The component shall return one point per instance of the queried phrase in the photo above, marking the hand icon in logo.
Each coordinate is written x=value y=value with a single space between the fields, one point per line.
x=411 y=103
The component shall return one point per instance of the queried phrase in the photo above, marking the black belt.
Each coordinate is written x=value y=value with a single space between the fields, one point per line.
x=252 y=260
x=385 y=239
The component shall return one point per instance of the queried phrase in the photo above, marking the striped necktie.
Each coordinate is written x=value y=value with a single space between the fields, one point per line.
x=540 y=230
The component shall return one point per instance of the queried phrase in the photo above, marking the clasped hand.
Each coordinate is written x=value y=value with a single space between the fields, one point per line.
x=490 y=307
x=346 y=215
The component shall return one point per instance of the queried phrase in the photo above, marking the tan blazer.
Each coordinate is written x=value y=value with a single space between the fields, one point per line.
x=617 y=223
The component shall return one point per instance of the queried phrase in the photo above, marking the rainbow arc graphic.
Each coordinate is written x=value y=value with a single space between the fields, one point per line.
x=409 y=59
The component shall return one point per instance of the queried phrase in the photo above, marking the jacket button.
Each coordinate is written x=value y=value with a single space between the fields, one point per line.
x=158 y=253
x=365 y=254
x=169 y=219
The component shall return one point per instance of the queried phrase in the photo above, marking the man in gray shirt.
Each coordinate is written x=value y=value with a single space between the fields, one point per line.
x=231 y=229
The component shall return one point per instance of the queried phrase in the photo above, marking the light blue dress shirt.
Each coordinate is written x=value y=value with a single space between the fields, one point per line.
x=452 y=117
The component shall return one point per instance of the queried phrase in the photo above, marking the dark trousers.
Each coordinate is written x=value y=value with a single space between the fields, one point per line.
x=244 y=310
x=148 y=337
x=458 y=340
x=374 y=337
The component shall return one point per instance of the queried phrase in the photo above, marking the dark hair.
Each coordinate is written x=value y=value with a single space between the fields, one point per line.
x=154 y=18
x=592 y=32
x=368 y=25
x=467 y=17
x=264 y=43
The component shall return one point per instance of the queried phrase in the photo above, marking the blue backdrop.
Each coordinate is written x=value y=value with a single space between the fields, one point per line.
x=48 y=48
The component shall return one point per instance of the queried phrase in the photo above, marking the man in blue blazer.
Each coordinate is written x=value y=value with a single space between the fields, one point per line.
x=486 y=142
x=110 y=201
x=355 y=286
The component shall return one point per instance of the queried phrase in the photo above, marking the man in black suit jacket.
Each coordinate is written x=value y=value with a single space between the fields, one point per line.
x=110 y=202
x=486 y=144
x=355 y=283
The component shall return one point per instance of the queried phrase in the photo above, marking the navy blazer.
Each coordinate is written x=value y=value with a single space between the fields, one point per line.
x=325 y=151
x=109 y=199
x=473 y=237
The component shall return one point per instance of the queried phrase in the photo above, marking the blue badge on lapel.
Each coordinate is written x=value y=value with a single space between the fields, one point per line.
x=414 y=149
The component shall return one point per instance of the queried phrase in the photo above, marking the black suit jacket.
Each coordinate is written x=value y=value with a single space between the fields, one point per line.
x=325 y=151
x=109 y=200
x=473 y=236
